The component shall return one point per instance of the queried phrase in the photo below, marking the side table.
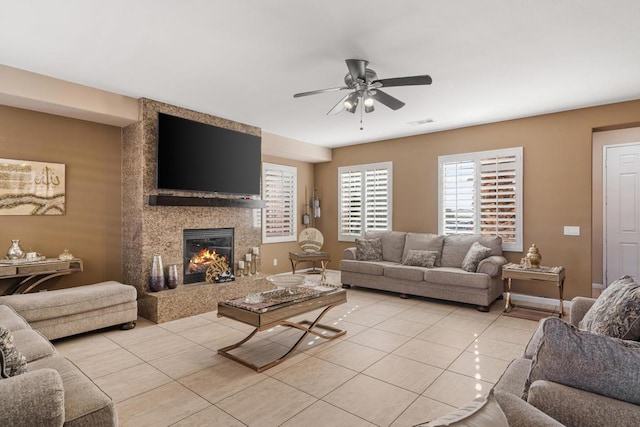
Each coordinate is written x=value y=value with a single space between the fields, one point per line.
x=554 y=275
x=323 y=257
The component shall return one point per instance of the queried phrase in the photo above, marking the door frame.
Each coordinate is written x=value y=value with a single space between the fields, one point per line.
x=604 y=204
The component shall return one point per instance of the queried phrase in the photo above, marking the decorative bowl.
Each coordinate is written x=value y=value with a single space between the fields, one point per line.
x=286 y=280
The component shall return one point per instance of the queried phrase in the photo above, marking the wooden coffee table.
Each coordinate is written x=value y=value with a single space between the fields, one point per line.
x=272 y=313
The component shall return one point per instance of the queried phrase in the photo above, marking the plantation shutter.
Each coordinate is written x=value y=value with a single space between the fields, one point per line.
x=351 y=203
x=376 y=192
x=498 y=193
x=365 y=199
x=458 y=188
x=279 y=185
x=482 y=193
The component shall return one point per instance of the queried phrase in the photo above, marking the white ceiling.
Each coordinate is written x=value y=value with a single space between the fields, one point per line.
x=490 y=60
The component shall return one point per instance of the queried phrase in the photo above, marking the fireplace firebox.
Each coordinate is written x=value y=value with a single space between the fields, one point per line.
x=208 y=249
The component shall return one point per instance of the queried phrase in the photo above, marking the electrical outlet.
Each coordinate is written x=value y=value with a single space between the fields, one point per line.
x=275 y=262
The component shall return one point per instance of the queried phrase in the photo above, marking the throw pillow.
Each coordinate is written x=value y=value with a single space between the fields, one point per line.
x=369 y=249
x=616 y=312
x=476 y=253
x=595 y=363
x=14 y=362
x=481 y=412
x=420 y=258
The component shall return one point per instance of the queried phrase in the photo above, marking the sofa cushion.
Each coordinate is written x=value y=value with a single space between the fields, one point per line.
x=364 y=267
x=424 y=242
x=616 y=312
x=586 y=361
x=15 y=363
x=456 y=246
x=403 y=272
x=369 y=249
x=420 y=258
x=65 y=302
x=475 y=254
x=457 y=277
x=481 y=412
x=392 y=243
x=33 y=344
x=12 y=320
x=85 y=403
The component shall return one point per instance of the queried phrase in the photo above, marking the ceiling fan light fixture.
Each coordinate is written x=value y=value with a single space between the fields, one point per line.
x=369 y=108
x=351 y=103
x=368 y=100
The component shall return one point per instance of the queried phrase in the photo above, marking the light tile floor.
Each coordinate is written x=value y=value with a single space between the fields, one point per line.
x=402 y=361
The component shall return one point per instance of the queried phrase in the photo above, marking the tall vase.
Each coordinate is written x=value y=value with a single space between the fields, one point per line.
x=15 y=251
x=156 y=280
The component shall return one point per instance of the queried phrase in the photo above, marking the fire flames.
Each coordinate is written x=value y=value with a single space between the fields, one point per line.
x=203 y=259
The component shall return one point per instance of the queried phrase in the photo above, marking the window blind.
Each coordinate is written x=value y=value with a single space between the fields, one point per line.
x=365 y=194
x=279 y=185
x=482 y=193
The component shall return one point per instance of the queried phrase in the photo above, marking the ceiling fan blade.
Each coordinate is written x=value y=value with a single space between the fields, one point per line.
x=357 y=68
x=339 y=106
x=386 y=99
x=315 y=92
x=405 y=81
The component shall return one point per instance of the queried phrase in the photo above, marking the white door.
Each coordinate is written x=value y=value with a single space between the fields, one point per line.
x=622 y=212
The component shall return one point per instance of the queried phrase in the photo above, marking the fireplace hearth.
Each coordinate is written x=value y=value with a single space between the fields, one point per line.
x=205 y=248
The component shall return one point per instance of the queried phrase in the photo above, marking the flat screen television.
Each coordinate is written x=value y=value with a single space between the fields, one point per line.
x=195 y=156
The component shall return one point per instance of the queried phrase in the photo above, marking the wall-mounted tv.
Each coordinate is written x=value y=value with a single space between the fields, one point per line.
x=195 y=156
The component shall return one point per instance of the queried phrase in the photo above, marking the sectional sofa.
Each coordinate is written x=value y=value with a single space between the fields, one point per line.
x=446 y=280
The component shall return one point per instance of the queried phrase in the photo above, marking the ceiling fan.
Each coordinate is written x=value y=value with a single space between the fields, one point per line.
x=365 y=87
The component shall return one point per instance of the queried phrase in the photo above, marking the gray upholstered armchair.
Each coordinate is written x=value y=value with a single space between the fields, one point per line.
x=574 y=359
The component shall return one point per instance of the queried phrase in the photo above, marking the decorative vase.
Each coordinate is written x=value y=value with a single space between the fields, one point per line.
x=172 y=281
x=534 y=256
x=156 y=280
x=15 y=251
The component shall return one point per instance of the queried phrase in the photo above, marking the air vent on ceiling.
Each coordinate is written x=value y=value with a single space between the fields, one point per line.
x=420 y=122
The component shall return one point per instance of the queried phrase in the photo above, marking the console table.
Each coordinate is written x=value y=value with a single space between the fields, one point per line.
x=30 y=275
x=550 y=275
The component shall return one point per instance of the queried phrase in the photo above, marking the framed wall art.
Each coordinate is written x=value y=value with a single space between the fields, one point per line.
x=31 y=188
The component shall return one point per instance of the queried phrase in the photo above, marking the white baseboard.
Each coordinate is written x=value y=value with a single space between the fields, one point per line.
x=539 y=300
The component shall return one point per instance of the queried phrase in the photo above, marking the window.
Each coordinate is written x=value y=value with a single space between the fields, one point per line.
x=482 y=193
x=279 y=184
x=365 y=196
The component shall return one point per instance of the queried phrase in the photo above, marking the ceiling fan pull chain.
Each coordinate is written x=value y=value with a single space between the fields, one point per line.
x=361 y=108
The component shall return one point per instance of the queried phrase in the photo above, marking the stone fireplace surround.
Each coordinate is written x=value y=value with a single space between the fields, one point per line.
x=155 y=229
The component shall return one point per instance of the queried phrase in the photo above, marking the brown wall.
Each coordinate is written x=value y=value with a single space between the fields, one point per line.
x=91 y=227
x=280 y=251
x=557 y=183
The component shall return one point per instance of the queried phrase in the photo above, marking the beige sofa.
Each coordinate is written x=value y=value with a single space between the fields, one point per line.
x=446 y=281
x=575 y=406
